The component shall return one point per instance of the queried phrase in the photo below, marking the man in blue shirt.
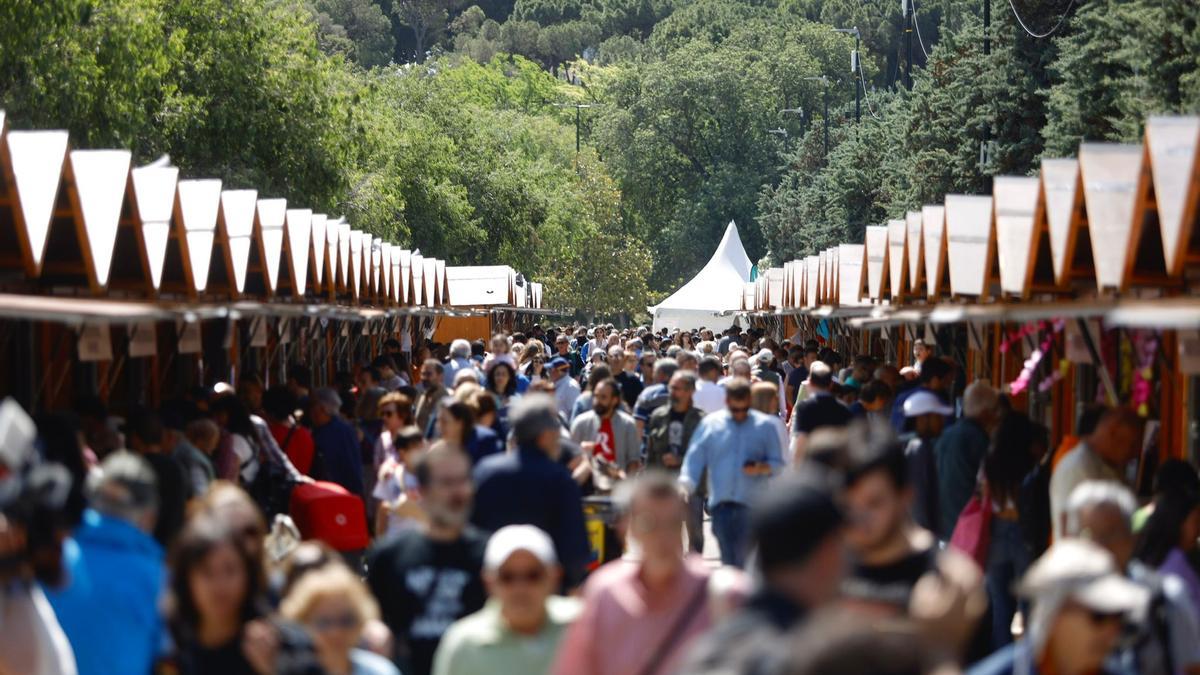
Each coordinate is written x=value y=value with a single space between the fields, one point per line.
x=337 y=451
x=740 y=448
x=109 y=608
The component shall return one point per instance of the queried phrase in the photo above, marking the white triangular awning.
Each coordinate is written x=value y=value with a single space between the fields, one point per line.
x=716 y=288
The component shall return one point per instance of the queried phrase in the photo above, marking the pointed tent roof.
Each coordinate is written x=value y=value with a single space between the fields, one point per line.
x=716 y=287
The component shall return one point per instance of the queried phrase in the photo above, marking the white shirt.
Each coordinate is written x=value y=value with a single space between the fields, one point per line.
x=566 y=390
x=709 y=396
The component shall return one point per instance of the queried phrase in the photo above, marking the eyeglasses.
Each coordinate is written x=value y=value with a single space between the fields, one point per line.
x=527 y=577
x=347 y=621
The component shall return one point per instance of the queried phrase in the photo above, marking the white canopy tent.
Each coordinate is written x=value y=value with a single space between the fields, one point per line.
x=716 y=288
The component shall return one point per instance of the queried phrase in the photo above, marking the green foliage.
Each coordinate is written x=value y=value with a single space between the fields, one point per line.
x=469 y=162
x=1119 y=62
x=913 y=148
x=356 y=28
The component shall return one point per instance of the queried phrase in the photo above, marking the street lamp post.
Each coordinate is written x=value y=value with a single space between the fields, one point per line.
x=854 y=69
x=577 y=107
x=906 y=6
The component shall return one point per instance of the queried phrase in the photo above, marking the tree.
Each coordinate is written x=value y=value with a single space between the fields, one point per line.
x=357 y=28
x=426 y=19
x=1117 y=62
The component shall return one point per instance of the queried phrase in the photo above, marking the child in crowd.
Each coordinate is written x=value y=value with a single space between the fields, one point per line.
x=396 y=488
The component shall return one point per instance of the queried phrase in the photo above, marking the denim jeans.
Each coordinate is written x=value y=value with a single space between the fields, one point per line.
x=730 y=526
x=695 y=525
x=1008 y=558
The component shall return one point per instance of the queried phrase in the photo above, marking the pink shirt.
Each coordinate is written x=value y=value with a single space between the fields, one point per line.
x=623 y=622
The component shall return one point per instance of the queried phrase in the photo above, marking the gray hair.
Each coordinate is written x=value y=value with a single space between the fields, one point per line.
x=664 y=368
x=328 y=398
x=460 y=348
x=531 y=416
x=979 y=398
x=687 y=377
x=125 y=488
x=1093 y=493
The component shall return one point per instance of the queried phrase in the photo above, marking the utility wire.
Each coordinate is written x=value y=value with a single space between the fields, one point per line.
x=862 y=78
x=920 y=40
x=1048 y=33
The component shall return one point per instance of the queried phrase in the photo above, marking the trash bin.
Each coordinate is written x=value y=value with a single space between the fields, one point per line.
x=600 y=518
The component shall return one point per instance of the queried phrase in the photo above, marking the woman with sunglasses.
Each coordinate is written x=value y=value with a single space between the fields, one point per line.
x=335 y=605
x=395 y=412
x=533 y=361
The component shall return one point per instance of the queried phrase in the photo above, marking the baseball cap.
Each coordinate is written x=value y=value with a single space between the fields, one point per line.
x=557 y=362
x=512 y=538
x=1088 y=575
x=925 y=403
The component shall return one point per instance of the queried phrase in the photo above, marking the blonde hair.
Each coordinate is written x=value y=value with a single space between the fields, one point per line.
x=332 y=580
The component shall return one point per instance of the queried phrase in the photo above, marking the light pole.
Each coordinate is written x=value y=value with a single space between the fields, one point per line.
x=825 y=113
x=906 y=6
x=577 y=107
x=795 y=111
x=854 y=69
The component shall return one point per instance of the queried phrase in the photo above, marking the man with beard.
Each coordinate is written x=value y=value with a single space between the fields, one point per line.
x=426 y=579
x=667 y=437
x=432 y=393
x=608 y=436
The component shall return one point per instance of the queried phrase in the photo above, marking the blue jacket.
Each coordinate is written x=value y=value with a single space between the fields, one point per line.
x=483 y=441
x=526 y=487
x=959 y=451
x=340 y=455
x=109 y=608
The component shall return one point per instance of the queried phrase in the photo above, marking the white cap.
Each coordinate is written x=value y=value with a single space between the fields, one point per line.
x=925 y=403
x=512 y=538
x=1087 y=574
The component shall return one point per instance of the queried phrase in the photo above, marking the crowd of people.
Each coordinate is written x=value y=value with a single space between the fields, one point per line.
x=593 y=500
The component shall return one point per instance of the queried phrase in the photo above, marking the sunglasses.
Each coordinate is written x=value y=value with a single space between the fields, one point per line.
x=528 y=577
x=388 y=413
x=740 y=410
x=1099 y=618
x=324 y=624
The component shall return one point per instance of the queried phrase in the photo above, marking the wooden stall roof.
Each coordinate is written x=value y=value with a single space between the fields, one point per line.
x=79 y=220
x=1121 y=219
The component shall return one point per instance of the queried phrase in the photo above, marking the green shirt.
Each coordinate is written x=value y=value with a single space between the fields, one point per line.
x=481 y=643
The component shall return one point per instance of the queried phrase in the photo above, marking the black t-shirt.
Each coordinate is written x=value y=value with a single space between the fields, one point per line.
x=423 y=586
x=675 y=429
x=174 y=488
x=797 y=377
x=295 y=656
x=889 y=585
x=822 y=410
